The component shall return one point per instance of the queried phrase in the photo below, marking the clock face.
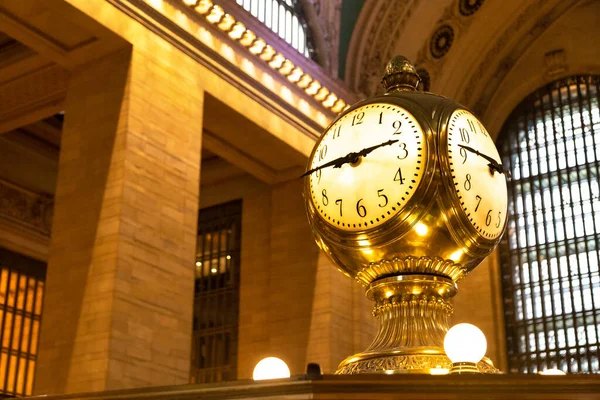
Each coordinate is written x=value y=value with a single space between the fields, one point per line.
x=481 y=189
x=367 y=193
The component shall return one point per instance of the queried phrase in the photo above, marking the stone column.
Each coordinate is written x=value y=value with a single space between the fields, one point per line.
x=119 y=292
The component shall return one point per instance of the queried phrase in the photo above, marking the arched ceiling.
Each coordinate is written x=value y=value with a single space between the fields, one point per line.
x=485 y=54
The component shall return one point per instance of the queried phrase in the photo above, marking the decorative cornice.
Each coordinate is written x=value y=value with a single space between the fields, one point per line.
x=387 y=21
x=26 y=208
x=455 y=20
x=260 y=47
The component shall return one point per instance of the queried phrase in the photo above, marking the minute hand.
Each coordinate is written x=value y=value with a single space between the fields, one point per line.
x=348 y=158
x=495 y=165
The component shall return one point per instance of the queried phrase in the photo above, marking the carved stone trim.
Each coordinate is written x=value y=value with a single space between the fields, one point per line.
x=383 y=23
x=26 y=208
x=455 y=20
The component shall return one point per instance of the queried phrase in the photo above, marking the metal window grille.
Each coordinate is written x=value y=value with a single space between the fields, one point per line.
x=285 y=18
x=550 y=254
x=214 y=349
x=21 y=294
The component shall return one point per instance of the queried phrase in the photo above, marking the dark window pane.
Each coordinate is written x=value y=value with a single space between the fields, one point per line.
x=214 y=349
x=551 y=251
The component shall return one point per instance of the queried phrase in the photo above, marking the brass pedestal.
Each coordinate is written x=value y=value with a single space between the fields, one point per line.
x=413 y=313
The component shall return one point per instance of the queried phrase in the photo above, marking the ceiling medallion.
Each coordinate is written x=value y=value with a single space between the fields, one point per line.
x=441 y=41
x=469 y=7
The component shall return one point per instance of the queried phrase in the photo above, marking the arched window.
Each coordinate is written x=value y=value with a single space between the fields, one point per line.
x=551 y=251
x=285 y=18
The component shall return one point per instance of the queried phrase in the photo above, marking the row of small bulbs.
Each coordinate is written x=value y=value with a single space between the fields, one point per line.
x=257 y=46
x=463 y=344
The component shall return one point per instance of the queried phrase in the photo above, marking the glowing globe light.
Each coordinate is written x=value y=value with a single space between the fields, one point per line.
x=465 y=343
x=552 y=371
x=270 y=368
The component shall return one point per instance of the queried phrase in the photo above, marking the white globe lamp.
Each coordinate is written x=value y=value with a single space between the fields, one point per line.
x=465 y=346
x=270 y=368
x=552 y=371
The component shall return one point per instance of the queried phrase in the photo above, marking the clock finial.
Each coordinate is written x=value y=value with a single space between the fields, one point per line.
x=400 y=74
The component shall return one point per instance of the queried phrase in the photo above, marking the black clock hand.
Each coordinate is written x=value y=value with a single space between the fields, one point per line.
x=348 y=158
x=493 y=164
x=367 y=150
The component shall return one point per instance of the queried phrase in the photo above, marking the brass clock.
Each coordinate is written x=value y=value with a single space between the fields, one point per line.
x=405 y=192
x=370 y=187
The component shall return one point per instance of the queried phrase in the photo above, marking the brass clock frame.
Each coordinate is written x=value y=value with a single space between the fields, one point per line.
x=411 y=263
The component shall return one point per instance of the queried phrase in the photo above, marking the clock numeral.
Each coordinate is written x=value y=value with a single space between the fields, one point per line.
x=357 y=119
x=464 y=135
x=380 y=117
x=463 y=153
x=379 y=194
x=467 y=183
x=499 y=219
x=360 y=209
x=398 y=176
x=404 y=151
x=339 y=202
x=471 y=126
x=336 y=131
x=478 y=197
x=397 y=125
x=325 y=199
x=488 y=218
x=318 y=175
x=322 y=152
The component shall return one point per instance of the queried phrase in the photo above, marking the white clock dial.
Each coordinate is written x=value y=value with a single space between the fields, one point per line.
x=481 y=189
x=370 y=192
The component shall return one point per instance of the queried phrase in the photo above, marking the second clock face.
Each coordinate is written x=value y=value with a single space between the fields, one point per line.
x=481 y=189
x=370 y=192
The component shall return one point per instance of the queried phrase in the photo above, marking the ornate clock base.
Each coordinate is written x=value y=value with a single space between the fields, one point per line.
x=413 y=312
x=420 y=363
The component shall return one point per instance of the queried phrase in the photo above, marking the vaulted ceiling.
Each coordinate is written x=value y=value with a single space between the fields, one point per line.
x=486 y=54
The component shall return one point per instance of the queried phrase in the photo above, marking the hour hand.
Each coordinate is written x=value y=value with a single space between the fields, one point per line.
x=337 y=163
x=493 y=164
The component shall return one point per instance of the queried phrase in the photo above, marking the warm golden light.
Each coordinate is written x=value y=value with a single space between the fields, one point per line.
x=237 y=31
x=277 y=61
x=204 y=6
x=465 y=343
x=552 y=371
x=456 y=255
x=257 y=46
x=270 y=368
x=322 y=94
x=226 y=23
x=295 y=75
x=313 y=88
x=421 y=229
x=215 y=15
x=248 y=38
x=198 y=264
x=439 y=371
x=286 y=68
x=304 y=81
x=338 y=106
x=267 y=53
x=330 y=100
